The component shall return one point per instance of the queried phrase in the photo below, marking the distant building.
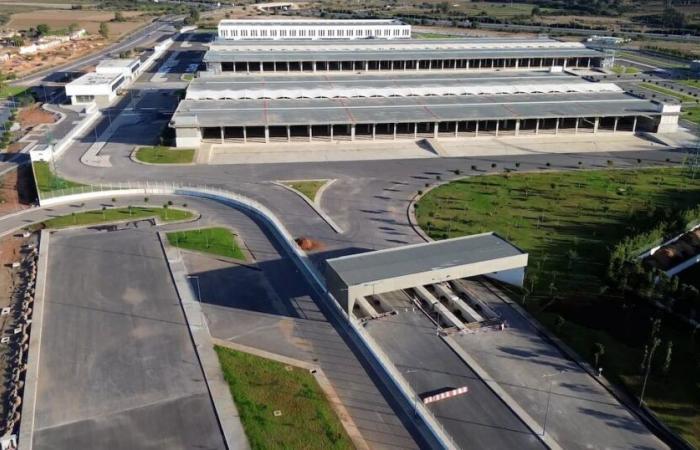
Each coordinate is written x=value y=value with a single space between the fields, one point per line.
x=313 y=29
x=127 y=67
x=606 y=40
x=100 y=88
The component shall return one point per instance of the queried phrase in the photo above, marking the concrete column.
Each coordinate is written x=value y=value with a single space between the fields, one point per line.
x=261 y=66
x=404 y=64
x=222 y=134
x=516 y=63
x=529 y=62
x=615 y=125
x=517 y=127
x=467 y=64
x=310 y=134
x=313 y=64
x=352 y=132
x=576 y=126
x=247 y=67
x=274 y=66
x=634 y=125
x=417 y=65
x=331 y=125
x=435 y=129
x=541 y=62
x=374 y=130
x=476 y=129
x=267 y=134
x=537 y=126
x=565 y=60
x=289 y=133
x=415 y=130
x=589 y=63
x=234 y=67
x=457 y=129
x=556 y=126
x=498 y=122
x=595 y=124
x=366 y=66
x=245 y=135
x=395 y=131
x=442 y=64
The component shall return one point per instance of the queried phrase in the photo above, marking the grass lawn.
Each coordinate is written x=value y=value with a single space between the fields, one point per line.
x=646 y=59
x=692 y=114
x=426 y=35
x=670 y=92
x=260 y=386
x=10 y=91
x=164 y=155
x=216 y=240
x=691 y=83
x=567 y=222
x=308 y=188
x=624 y=70
x=95 y=217
x=47 y=181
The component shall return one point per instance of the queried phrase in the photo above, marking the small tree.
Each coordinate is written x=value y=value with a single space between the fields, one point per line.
x=610 y=163
x=114 y=199
x=119 y=17
x=73 y=27
x=104 y=211
x=559 y=323
x=598 y=351
x=517 y=165
x=42 y=29
x=104 y=30
x=165 y=211
x=474 y=168
x=145 y=199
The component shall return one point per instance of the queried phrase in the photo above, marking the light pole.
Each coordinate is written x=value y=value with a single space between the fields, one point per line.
x=549 y=397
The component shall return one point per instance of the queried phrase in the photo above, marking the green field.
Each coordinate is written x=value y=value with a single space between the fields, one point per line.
x=47 y=181
x=567 y=222
x=164 y=155
x=260 y=387
x=308 y=188
x=692 y=114
x=691 y=83
x=670 y=92
x=624 y=70
x=217 y=240
x=646 y=59
x=109 y=215
x=10 y=91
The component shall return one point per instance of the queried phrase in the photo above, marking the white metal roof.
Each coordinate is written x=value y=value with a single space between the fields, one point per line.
x=95 y=79
x=117 y=63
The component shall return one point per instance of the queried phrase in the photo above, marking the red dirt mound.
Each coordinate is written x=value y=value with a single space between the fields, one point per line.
x=308 y=244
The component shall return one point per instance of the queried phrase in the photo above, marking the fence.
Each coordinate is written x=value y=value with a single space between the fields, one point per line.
x=365 y=343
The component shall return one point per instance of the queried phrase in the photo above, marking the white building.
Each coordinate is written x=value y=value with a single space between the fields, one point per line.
x=313 y=29
x=127 y=67
x=100 y=88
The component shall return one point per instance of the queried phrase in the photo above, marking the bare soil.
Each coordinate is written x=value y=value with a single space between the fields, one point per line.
x=25 y=64
x=34 y=115
x=88 y=19
x=17 y=190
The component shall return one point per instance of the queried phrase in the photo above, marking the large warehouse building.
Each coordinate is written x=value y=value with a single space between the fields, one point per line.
x=405 y=89
x=313 y=29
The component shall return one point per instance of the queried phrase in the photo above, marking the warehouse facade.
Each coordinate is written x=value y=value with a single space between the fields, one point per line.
x=275 y=30
x=329 y=91
x=482 y=54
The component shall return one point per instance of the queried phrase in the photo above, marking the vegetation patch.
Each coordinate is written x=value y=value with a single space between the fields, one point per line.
x=216 y=240
x=281 y=407
x=670 y=92
x=569 y=223
x=624 y=70
x=692 y=114
x=164 y=155
x=309 y=188
x=47 y=181
x=7 y=91
x=108 y=215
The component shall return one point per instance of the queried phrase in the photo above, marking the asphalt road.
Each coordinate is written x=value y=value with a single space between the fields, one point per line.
x=118 y=368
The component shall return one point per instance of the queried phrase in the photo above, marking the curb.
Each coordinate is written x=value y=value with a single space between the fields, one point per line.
x=503 y=395
x=132 y=157
x=333 y=400
x=31 y=381
x=315 y=206
x=225 y=409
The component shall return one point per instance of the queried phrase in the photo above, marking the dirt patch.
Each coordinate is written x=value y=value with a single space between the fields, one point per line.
x=308 y=244
x=17 y=190
x=673 y=254
x=34 y=115
x=89 y=20
x=23 y=65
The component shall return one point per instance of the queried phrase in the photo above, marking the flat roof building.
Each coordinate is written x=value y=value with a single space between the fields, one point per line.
x=373 y=107
x=100 y=88
x=469 y=54
x=377 y=272
x=276 y=30
x=127 y=67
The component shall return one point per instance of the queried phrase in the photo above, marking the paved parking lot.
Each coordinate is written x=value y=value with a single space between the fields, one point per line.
x=117 y=367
